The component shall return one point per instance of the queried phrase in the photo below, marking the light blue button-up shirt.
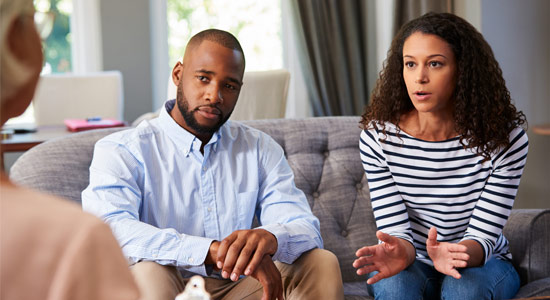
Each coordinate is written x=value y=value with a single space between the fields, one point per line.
x=166 y=202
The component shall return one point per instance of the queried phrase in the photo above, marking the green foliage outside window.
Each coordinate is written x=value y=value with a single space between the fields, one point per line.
x=57 y=44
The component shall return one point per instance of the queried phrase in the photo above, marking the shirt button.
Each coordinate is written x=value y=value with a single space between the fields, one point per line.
x=191 y=260
x=209 y=209
x=344 y=233
x=204 y=168
x=315 y=195
x=359 y=186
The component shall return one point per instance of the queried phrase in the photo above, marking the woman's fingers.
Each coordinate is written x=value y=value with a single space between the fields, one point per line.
x=366 y=270
x=460 y=263
x=432 y=238
x=457 y=248
x=363 y=261
x=365 y=251
x=374 y=279
x=386 y=238
x=460 y=256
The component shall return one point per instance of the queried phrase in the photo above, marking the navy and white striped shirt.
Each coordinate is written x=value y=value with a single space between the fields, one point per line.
x=416 y=184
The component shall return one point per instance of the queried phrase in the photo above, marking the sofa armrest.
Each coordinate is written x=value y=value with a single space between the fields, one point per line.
x=528 y=231
x=537 y=288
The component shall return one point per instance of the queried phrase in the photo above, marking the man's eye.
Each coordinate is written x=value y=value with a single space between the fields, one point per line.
x=202 y=78
x=231 y=87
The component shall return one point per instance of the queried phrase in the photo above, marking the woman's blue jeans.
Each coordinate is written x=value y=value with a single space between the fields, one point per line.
x=497 y=279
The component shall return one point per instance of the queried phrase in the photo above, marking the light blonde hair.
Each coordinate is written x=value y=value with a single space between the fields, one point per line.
x=13 y=73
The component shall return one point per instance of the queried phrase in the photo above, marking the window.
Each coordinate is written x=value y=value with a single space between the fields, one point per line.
x=256 y=24
x=52 y=20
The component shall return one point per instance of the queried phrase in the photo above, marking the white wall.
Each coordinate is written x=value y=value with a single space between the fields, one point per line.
x=126 y=44
x=519 y=33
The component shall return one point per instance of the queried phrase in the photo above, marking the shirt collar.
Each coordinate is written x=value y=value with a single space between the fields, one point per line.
x=180 y=135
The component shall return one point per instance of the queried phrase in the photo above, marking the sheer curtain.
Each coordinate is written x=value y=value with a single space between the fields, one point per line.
x=406 y=10
x=337 y=47
x=332 y=38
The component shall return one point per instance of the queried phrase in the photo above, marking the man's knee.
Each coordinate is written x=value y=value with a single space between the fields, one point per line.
x=156 y=281
x=321 y=259
x=313 y=265
x=315 y=275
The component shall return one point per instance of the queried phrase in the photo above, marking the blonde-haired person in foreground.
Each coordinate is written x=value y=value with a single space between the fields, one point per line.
x=50 y=249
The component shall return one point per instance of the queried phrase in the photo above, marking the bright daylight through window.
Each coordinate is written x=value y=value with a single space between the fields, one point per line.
x=257 y=25
x=52 y=21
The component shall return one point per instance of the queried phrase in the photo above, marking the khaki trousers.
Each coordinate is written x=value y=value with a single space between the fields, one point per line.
x=315 y=275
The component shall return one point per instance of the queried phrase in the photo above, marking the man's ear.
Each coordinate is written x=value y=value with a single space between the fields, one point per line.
x=177 y=73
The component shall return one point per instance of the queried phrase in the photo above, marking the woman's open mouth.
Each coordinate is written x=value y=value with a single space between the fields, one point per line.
x=422 y=95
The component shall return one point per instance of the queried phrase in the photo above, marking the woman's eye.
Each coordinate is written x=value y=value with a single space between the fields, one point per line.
x=409 y=64
x=435 y=64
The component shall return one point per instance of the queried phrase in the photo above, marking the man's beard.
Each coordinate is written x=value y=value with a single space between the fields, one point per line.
x=189 y=116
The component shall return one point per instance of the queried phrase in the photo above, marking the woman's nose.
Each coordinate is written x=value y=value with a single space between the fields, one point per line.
x=422 y=76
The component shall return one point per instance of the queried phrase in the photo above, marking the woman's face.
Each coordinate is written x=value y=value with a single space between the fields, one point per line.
x=429 y=71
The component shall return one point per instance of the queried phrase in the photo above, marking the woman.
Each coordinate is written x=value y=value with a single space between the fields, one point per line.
x=50 y=249
x=443 y=152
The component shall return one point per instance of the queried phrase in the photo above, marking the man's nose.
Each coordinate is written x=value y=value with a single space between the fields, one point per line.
x=214 y=94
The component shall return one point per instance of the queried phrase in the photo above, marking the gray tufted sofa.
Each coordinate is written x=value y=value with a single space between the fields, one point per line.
x=323 y=152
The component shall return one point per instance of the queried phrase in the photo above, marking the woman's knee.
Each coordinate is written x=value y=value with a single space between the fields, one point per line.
x=410 y=283
x=495 y=280
x=403 y=285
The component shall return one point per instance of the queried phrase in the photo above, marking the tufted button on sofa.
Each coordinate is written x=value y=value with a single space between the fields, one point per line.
x=324 y=155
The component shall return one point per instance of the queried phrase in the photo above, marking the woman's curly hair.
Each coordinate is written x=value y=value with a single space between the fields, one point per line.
x=483 y=112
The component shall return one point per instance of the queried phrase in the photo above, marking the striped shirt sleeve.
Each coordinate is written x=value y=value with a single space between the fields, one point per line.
x=495 y=203
x=388 y=207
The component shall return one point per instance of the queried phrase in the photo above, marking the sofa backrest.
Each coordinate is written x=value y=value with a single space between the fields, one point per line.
x=323 y=153
x=59 y=166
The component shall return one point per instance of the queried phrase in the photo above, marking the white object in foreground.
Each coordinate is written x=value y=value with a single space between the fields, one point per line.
x=194 y=290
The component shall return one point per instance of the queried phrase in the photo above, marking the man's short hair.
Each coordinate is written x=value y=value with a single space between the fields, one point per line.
x=220 y=37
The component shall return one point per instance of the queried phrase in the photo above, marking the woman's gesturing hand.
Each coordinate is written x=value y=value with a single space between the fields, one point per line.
x=446 y=257
x=388 y=258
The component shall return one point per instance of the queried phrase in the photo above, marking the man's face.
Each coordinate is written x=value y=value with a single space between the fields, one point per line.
x=209 y=82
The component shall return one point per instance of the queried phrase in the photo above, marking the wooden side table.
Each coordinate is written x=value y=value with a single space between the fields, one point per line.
x=18 y=142
x=543 y=129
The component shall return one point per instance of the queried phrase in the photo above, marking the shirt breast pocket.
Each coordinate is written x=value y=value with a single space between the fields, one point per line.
x=246 y=203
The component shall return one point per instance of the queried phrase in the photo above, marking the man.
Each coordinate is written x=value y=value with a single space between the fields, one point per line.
x=50 y=249
x=181 y=191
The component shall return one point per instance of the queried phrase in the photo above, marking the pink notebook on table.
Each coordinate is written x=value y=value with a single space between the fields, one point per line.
x=84 y=124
